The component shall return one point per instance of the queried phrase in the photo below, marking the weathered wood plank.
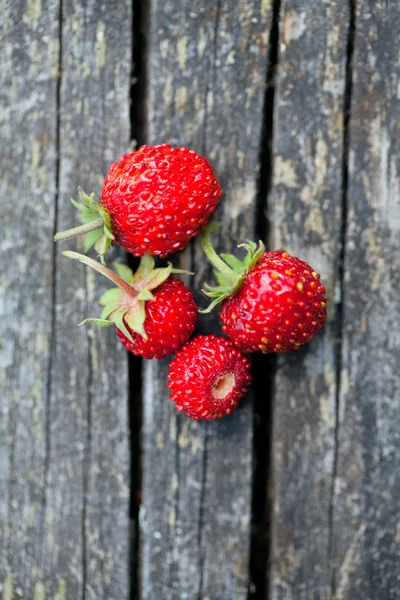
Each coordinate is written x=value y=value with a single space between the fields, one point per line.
x=206 y=82
x=304 y=212
x=28 y=116
x=85 y=537
x=367 y=486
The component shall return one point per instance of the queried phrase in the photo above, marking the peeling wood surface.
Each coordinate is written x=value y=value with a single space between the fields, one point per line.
x=207 y=71
x=305 y=218
x=366 y=525
x=64 y=433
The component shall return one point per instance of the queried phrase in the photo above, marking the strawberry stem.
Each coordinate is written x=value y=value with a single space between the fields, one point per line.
x=80 y=230
x=213 y=257
x=123 y=285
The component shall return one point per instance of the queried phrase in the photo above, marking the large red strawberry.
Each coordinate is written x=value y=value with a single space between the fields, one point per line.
x=207 y=377
x=270 y=301
x=154 y=200
x=154 y=315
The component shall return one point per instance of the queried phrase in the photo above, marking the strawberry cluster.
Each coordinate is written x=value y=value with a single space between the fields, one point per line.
x=152 y=203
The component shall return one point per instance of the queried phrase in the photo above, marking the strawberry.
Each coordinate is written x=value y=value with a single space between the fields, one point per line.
x=154 y=315
x=207 y=377
x=270 y=301
x=153 y=202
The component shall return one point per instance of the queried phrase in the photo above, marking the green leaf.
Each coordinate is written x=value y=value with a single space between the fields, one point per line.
x=124 y=272
x=99 y=322
x=92 y=237
x=135 y=317
x=111 y=295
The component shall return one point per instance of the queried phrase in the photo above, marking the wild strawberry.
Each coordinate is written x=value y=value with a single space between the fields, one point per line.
x=153 y=202
x=154 y=315
x=270 y=301
x=207 y=377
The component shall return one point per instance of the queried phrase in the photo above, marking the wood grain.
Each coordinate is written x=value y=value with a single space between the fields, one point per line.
x=206 y=86
x=65 y=514
x=367 y=485
x=88 y=473
x=304 y=212
x=28 y=121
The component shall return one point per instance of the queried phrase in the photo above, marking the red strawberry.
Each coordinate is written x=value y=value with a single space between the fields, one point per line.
x=271 y=301
x=153 y=202
x=207 y=377
x=154 y=315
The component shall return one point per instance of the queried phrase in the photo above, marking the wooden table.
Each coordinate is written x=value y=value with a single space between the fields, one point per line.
x=105 y=491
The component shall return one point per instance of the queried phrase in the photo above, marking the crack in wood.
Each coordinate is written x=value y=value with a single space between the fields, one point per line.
x=53 y=333
x=341 y=270
x=262 y=484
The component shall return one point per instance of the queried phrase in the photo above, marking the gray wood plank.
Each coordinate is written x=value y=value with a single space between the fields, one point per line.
x=85 y=536
x=206 y=86
x=367 y=485
x=304 y=212
x=28 y=116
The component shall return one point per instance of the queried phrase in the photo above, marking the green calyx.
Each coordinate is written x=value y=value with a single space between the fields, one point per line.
x=96 y=225
x=228 y=269
x=125 y=304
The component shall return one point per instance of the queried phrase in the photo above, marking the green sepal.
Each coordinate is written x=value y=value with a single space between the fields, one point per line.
x=124 y=271
x=90 y=210
x=99 y=322
x=145 y=295
x=91 y=238
x=222 y=280
x=146 y=266
x=110 y=296
x=109 y=309
x=229 y=271
x=135 y=317
x=126 y=304
x=212 y=293
x=118 y=320
x=211 y=306
x=159 y=276
x=233 y=262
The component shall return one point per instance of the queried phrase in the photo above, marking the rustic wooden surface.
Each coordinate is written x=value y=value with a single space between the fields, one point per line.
x=206 y=85
x=305 y=214
x=366 y=529
x=329 y=191
x=64 y=428
x=28 y=117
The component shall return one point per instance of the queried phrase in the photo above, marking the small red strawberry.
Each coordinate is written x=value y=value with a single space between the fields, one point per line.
x=153 y=202
x=270 y=301
x=207 y=377
x=154 y=315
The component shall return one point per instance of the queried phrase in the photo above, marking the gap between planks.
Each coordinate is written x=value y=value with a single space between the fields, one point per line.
x=262 y=485
x=138 y=135
x=341 y=267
